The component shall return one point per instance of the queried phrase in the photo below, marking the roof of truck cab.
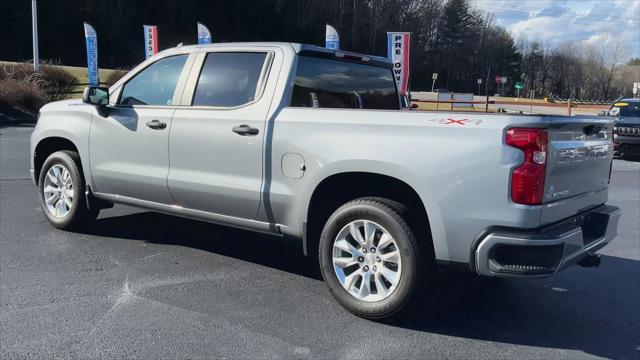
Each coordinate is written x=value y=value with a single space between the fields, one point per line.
x=304 y=48
x=298 y=48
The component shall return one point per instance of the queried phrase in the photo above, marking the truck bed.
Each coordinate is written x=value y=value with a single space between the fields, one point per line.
x=458 y=163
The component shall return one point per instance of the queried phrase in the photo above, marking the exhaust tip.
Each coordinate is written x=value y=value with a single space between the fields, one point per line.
x=590 y=261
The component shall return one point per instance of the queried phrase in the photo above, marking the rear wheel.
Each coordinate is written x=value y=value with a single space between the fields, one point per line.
x=62 y=191
x=370 y=258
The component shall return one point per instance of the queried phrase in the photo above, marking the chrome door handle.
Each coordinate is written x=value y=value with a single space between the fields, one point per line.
x=156 y=124
x=245 y=130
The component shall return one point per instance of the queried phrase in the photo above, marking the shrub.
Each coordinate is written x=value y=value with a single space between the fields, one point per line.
x=114 y=76
x=22 y=94
x=19 y=71
x=56 y=82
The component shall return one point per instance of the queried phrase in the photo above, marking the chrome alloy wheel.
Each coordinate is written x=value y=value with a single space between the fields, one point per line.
x=366 y=260
x=58 y=191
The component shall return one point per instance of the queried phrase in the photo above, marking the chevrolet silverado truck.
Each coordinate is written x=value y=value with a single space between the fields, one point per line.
x=314 y=144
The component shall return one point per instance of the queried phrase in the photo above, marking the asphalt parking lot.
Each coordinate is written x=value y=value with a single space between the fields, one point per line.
x=145 y=285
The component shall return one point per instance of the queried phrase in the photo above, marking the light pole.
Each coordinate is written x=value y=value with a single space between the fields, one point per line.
x=34 y=26
x=434 y=77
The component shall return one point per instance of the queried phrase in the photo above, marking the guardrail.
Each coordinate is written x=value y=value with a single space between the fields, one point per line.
x=568 y=105
x=452 y=102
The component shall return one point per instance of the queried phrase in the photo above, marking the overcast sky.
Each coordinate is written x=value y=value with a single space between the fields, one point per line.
x=556 y=21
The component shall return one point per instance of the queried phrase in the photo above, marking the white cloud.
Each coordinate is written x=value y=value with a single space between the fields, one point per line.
x=556 y=22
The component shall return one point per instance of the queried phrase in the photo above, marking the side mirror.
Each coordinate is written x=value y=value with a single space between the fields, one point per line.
x=97 y=96
x=603 y=113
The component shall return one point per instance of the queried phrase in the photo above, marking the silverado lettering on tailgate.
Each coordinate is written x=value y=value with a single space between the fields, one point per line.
x=579 y=154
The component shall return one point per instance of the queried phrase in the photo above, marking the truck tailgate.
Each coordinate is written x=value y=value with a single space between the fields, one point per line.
x=579 y=159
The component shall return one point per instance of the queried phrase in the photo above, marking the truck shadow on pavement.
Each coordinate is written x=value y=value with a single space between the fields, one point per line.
x=594 y=310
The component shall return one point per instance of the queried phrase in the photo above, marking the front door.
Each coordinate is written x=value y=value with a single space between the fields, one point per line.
x=216 y=143
x=129 y=149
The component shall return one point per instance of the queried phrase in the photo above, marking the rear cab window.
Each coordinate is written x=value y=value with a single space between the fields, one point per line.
x=322 y=82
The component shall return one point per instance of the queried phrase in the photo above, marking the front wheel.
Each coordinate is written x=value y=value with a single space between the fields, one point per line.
x=61 y=187
x=369 y=257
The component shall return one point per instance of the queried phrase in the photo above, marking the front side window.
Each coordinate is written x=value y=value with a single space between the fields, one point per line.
x=327 y=83
x=229 y=79
x=155 y=84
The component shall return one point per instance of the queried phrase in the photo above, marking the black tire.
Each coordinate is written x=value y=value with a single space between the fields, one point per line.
x=79 y=214
x=388 y=214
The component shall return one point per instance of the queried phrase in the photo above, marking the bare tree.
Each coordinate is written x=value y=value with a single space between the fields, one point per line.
x=612 y=53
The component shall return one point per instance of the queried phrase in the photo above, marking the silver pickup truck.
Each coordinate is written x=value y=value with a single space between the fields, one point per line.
x=310 y=143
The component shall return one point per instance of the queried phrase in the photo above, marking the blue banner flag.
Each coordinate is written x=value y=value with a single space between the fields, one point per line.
x=332 y=39
x=204 y=35
x=92 y=54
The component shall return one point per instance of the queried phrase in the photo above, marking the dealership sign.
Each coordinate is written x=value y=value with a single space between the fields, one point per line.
x=398 y=52
x=204 y=35
x=91 y=39
x=331 y=39
x=150 y=40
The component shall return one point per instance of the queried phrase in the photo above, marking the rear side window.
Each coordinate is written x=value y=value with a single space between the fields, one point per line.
x=155 y=84
x=229 y=79
x=326 y=83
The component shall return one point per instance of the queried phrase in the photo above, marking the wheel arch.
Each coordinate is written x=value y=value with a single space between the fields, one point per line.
x=47 y=146
x=339 y=188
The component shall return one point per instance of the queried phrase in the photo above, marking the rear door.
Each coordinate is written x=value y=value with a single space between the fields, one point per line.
x=216 y=142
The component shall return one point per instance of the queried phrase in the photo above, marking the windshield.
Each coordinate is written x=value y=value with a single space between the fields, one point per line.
x=625 y=109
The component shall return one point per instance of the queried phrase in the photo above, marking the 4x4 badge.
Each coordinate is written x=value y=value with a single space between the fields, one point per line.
x=450 y=121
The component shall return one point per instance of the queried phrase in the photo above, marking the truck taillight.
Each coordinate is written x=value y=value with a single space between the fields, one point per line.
x=527 y=180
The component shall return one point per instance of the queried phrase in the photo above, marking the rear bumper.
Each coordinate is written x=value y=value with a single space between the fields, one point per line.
x=545 y=251
x=626 y=148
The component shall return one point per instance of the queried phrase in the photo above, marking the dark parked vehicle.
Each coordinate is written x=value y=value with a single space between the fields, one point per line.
x=626 y=132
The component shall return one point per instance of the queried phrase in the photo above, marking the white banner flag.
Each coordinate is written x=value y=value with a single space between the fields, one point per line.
x=398 y=52
x=150 y=40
